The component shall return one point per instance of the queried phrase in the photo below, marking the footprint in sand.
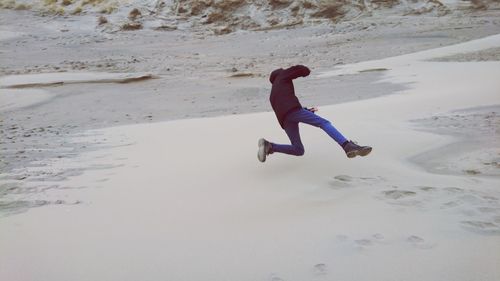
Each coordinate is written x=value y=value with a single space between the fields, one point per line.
x=376 y=238
x=402 y=197
x=427 y=188
x=491 y=199
x=343 y=178
x=343 y=181
x=484 y=209
x=482 y=227
x=363 y=242
x=419 y=242
x=454 y=189
x=459 y=198
x=320 y=269
x=489 y=210
x=398 y=194
x=450 y=204
x=275 y=277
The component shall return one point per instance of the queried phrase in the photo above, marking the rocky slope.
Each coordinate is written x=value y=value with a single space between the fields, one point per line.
x=225 y=16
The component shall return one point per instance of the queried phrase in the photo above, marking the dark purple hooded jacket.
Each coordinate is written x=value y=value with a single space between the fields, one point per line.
x=283 y=99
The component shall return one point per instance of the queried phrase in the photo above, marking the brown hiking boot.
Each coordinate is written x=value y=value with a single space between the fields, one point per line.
x=352 y=149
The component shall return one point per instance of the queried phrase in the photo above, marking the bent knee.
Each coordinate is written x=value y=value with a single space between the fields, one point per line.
x=299 y=150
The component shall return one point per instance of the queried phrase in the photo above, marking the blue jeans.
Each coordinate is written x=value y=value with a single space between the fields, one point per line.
x=291 y=126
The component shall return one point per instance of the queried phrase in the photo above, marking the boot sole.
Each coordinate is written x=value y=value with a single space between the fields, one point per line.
x=261 y=153
x=362 y=152
x=365 y=151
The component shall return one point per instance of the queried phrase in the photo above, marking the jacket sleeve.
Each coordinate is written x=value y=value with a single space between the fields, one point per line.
x=296 y=72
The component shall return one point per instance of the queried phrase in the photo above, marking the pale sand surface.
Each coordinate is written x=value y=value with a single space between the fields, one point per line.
x=188 y=200
x=402 y=61
x=195 y=72
x=478 y=135
x=14 y=99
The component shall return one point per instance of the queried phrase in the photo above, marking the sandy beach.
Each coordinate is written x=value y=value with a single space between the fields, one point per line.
x=132 y=155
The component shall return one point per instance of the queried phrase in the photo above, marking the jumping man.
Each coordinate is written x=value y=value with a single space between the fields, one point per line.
x=290 y=113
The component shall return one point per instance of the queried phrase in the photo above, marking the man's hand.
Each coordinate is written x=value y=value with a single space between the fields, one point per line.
x=312 y=109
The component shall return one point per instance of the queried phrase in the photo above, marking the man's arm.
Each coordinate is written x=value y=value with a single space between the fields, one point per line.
x=296 y=72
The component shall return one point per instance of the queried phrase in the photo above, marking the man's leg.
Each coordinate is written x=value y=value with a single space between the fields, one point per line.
x=305 y=116
x=296 y=147
x=308 y=117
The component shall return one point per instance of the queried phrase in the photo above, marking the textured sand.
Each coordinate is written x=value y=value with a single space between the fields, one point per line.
x=188 y=200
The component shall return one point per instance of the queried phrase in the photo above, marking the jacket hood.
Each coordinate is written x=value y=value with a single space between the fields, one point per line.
x=275 y=74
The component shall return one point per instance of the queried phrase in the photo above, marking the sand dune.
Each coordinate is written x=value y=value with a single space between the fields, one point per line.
x=404 y=60
x=226 y=16
x=188 y=200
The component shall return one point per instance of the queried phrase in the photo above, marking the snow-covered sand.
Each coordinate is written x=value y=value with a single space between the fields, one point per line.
x=188 y=200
